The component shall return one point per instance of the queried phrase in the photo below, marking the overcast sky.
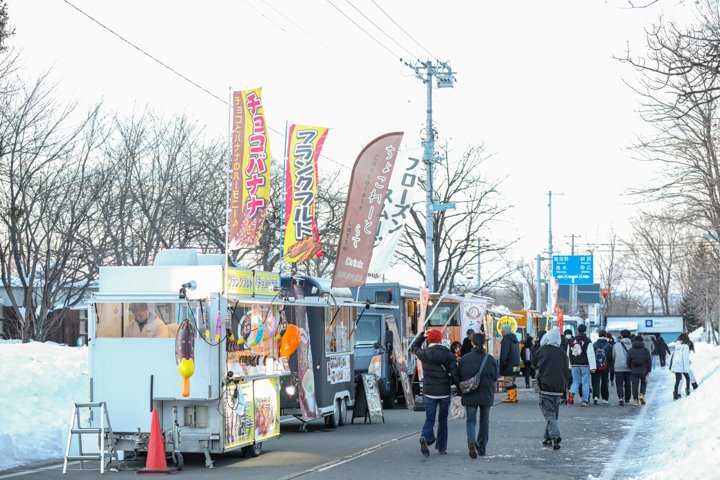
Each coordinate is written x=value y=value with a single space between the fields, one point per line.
x=537 y=83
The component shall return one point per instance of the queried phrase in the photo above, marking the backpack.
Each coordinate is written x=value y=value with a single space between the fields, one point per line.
x=600 y=359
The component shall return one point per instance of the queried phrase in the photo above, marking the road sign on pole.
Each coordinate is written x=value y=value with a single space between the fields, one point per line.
x=436 y=207
x=573 y=269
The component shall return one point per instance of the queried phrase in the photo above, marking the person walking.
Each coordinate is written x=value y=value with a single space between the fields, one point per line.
x=553 y=367
x=582 y=361
x=603 y=361
x=680 y=364
x=439 y=374
x=649 y=341
x=525 y=354
x=480 y=399
x=622 y=371
x=693 y=380
x=639 y=362
x=662 y=350
x=509 y=363
x=611 y=373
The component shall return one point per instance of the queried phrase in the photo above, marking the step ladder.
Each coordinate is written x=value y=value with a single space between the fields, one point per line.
x=105 y=441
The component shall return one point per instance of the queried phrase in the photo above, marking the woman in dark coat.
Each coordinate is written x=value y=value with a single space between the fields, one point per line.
x=525 y=356
x=640 y=363
x=482 y=398
x=662 y=349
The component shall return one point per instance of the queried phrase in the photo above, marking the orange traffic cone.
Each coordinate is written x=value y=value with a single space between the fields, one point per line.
x=156 y=463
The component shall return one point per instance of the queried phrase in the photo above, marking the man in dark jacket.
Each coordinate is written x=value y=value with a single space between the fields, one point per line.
x=553 y=368
x=467 y=345
x=482 y=398
x=640 y=363
x=509 y=363
x=439 y=374
x=603 y=361
x=525 y=354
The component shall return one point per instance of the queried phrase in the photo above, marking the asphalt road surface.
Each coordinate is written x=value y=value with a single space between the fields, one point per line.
x=602 y=442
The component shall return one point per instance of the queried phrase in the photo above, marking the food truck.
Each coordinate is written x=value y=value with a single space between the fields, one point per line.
x=322 y=379
x=196 y=341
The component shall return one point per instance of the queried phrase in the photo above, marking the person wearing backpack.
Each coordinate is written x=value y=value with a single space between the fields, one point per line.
x=481 y=398
x=603 y=360
x=640 y=363
x=525 y=353
x=582 y=361
x=622 y=371
x=553 y=367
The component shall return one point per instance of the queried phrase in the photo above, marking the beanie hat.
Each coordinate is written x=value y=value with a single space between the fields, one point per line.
x=582 y=328
x=506 y=329
x=434 y=336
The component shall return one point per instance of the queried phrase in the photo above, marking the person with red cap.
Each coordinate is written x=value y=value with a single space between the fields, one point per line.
x=440 y=372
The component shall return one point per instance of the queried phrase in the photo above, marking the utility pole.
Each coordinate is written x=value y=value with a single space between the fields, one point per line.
x=445 y=77
x=538 y=289
x=550 y=245
x=573 y=287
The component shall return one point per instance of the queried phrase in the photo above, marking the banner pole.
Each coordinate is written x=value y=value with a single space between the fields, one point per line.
x=282 y=202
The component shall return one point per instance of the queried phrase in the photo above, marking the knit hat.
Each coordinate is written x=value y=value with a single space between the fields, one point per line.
x=506 y=329
x=582 y=328
x=434 y=336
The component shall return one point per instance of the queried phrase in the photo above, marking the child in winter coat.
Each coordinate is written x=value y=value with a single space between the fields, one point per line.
x=680 y=364
x=639 y=362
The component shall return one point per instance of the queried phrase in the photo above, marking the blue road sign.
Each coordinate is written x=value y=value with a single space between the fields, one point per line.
x=436 y=207
x=573 y=269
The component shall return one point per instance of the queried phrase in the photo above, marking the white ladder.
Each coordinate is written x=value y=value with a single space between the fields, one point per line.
x=106 y=443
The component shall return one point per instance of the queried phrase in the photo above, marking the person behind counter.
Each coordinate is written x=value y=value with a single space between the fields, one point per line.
x=145 y=324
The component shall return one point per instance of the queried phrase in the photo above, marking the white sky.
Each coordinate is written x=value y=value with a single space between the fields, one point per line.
x=536 y=83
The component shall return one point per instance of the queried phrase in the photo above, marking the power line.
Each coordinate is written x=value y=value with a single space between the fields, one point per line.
x=383 y=31
x=402 y=29
x=163 y=64
x=363 y=30
x=300 y=27
x=146 y=53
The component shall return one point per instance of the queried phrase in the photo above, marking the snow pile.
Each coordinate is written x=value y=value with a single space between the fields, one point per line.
x=38 y=384
x=687 y=431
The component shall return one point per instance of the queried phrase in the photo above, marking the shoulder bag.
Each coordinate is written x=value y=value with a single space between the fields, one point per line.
x=472 y=384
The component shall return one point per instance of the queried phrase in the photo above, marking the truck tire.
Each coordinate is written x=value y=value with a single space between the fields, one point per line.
x=332 y=420
x=252 y=451
x=178 y=460
x=343 y=412
x=389 y=399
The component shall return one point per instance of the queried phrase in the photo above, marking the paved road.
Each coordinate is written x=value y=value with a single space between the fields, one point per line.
x=595 y=440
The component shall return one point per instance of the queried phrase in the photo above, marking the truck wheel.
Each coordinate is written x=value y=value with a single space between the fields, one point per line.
x=178 y=460
x=252 y=451
x=389 y=399
x=332 y=420
x=343 y=412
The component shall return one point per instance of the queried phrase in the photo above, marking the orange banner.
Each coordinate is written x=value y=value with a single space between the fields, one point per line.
x=302 y=240
x=250 y=184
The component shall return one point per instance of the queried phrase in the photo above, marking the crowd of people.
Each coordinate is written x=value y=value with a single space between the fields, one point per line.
x=562 y=368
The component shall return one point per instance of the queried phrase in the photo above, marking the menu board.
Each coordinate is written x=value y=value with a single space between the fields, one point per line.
x=367 y=399
x=239 y=415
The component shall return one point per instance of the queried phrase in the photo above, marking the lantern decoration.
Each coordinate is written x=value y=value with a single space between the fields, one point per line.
x=270 y=325
x=281 y=325
x=290 y=341
x=245 y=329
x=185 y=354
x=257 y=326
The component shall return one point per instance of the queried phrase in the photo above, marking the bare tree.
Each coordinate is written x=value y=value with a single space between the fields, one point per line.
x=455 y=232
x=523 y=280
x=48 y=182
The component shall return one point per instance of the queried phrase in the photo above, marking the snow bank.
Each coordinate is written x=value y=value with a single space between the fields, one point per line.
x=38 y=384
x=687 y=438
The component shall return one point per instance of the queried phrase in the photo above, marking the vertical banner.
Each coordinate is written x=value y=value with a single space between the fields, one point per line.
x=395 y=211
x=368 y=188
x=250 y=181
x=302 y=240
x=400 y=365
x=473 y=313
x=305 y=369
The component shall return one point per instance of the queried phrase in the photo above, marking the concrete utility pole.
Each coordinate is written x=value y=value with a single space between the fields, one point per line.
x=573 y=287
x=538 y=289
x=445 y=79
x=550 y=245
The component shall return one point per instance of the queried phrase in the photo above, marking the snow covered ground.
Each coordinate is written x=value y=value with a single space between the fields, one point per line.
x=38 y=384
x=40 y=381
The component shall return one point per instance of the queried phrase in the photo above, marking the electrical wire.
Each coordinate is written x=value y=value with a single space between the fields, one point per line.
x=300 y=27
x=363 y=30
x=402 y=29
x=184 y=77
x=381 y=30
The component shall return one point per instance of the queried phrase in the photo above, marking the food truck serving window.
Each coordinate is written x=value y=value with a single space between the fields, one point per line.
x=141 y=320
x=337 y=335
x=442 y=313
x=368 y=330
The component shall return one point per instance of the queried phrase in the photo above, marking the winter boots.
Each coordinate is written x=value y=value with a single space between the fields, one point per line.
x=695 y=385
x=472 y=449
x=636 y=403
x=512 y=395
x=642 y=399
x=556 y=443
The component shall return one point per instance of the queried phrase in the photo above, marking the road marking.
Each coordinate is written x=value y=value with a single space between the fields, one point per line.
x=611 y=468
x=346 y=459
x=35 y=470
